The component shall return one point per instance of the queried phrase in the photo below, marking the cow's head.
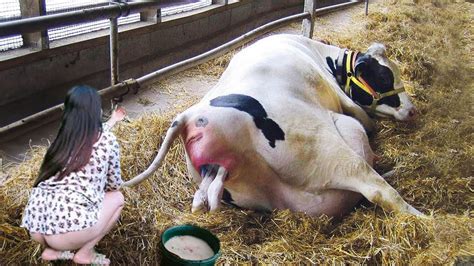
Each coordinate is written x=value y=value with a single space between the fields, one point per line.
x=380 y=89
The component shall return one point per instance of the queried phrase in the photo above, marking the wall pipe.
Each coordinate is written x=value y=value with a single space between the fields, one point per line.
x=220 y=50
x=53 y=113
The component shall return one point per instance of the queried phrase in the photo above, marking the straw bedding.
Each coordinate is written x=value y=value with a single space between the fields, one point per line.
x=433 y=159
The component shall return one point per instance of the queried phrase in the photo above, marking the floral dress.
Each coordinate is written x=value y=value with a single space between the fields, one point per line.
x=74 y=203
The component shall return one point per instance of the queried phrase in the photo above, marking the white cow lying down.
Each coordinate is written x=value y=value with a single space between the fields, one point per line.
x=271 y=135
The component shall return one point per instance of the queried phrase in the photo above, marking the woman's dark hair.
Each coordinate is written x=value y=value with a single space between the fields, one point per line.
x=80 y=128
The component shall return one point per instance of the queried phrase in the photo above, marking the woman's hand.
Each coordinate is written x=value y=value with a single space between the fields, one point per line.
x=117 y=115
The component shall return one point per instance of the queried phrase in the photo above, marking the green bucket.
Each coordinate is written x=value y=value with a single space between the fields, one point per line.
x=169 y=258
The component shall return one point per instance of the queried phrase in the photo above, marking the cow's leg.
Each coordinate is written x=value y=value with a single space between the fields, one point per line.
x=358 y=176
x=371 y=185
x=338 y=202
x=353 y=134
x=378 y=191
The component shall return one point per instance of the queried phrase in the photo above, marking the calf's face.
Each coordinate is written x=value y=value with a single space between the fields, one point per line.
x=383 y=75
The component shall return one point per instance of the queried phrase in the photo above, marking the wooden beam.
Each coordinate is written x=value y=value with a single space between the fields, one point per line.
x=34 y=8
x=308 y=24
x=152 y=14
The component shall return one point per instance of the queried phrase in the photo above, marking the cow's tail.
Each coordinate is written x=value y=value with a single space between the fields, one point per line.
x=172 y=133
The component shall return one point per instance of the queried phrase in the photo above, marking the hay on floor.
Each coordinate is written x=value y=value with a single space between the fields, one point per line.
x=432 y=42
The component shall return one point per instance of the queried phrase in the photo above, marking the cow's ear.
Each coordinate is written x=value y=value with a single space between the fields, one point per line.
x=361 y=65
x=377 y=49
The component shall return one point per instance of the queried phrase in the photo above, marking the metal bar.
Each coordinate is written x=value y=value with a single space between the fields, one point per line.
x=74 y=17
x=328 y=9
x=366 y=7
x=218 y=51
x=114 y=59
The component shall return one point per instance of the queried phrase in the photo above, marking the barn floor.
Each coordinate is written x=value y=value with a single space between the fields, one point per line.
x=433 y=43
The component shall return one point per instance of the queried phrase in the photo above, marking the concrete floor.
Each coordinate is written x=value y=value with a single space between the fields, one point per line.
x=163 y=95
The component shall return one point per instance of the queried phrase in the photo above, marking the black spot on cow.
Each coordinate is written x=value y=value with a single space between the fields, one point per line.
x=201 y=122
x=175 y=123
x=270 y=129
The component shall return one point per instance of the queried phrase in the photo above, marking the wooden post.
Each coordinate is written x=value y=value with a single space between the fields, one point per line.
x=114 y=59
x=223 y=2
x=34 y=8
x=308 y=23
x=151 y=15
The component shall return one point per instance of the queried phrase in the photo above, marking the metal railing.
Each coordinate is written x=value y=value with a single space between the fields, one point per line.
x=35 y=24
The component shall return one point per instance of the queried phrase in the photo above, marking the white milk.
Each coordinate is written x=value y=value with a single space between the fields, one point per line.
x=189 y=247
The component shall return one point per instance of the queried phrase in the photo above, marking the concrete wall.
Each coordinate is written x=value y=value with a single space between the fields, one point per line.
x=35 y=81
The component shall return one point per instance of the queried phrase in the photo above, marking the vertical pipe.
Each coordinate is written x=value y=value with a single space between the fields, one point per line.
x=114 y=71
x=308 y=23
x=366 y=7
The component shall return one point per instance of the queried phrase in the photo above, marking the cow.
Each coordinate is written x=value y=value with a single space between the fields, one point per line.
x=272 y=134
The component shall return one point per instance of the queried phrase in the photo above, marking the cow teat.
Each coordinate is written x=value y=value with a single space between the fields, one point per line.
x=211 y=189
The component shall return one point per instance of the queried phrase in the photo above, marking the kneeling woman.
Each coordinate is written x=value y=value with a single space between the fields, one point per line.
x=75 y=199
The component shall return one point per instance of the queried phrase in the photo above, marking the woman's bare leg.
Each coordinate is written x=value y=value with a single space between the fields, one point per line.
x=86 y=239
x=86 y=253
x=48 y=253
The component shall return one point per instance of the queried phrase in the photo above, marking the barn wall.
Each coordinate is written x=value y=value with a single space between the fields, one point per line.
x=34 y=81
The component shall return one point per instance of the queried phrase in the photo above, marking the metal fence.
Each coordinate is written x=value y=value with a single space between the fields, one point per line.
x=74 y=30
x=10 y=10
x=184 y=8
x=55 y=6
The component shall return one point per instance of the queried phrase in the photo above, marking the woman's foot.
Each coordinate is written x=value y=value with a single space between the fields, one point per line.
x=51 y=254
x=91 y=257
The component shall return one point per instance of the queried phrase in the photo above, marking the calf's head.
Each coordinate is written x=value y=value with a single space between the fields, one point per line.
x=380 y=89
